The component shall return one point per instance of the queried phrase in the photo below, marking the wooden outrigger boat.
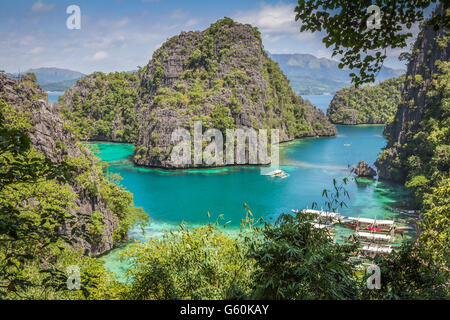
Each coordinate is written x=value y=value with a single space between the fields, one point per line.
x=373 y=250
x=375 y=237
x=279 y=173
x=331 y=217
x=373 y=225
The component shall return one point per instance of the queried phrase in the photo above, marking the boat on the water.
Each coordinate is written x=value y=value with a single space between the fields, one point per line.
x=375 y=237
x=373 y=225
x=373 y=250
x=278 y=173
x=332 y=217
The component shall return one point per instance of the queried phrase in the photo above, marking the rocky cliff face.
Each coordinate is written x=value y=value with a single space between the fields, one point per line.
x=418 y=105
x=53 y=138
x=375 y=104
x=224 y=78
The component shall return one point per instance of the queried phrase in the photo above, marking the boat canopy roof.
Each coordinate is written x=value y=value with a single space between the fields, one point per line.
x=377 y=249
x=374 y=236
x=322 y=213
x=319 y=226
x=372 y=221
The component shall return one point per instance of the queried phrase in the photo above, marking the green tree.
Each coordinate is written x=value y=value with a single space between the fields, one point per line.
x=410 y=274
x=359 y=47
x=296 y=260
x=26 y=235
x=199 y=263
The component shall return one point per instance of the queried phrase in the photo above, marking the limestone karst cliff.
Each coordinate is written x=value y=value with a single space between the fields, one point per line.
x=222 y=77
x=418 y=138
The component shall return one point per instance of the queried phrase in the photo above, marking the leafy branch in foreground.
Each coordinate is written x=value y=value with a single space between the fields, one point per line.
x=359 y=47
x=33 y=205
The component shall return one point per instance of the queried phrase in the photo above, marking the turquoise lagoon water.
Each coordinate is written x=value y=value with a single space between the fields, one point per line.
x=172 y=197
x=53 y=96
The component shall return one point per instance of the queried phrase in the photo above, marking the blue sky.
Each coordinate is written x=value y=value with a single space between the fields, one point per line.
x=118 y=35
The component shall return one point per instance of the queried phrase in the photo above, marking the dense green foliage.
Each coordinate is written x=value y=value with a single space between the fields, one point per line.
x=39 y=217
x=418 y=150
x=103 y=106
x=289 y=260
x=358 y=46
x=436 y=231
x=295 y=260
x=410 y=273
x=366 y=105
x=424 y=160
x=26 y=231
x=202 y=263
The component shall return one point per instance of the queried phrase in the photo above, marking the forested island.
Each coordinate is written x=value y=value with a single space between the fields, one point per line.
x=220 y=76
x=375 y=104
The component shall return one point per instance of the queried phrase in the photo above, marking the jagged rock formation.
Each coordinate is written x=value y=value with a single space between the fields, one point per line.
x=367 y=105
x=53 y=138
x=411 y=151
x=224 y=78
x=363 y=170
x=103 y=106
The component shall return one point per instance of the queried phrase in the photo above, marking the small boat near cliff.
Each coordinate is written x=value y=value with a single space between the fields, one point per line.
x=279 y=173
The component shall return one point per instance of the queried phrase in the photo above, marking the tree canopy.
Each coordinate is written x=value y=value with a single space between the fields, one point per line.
x=347 y=33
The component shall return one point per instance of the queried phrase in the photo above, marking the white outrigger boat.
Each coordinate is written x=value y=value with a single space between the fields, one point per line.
x=376 y=237
x=372 y=222
x=279 y=173
x=332 y=217
x=373 y=225
x=373 y=250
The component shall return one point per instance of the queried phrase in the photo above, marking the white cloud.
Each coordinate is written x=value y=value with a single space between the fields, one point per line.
x=41 y=6
x=26 y=40
x=271 y=19
x=37 y=50
x=178 y=14
x=123 y=22
x=191 y=22
x=100 y=55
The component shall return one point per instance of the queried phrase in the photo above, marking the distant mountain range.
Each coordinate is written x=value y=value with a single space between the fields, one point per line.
x=54 y=79
x=307 y=74
x=311 y=75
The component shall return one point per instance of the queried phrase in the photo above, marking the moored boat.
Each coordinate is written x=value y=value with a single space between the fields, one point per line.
x=374 y=227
